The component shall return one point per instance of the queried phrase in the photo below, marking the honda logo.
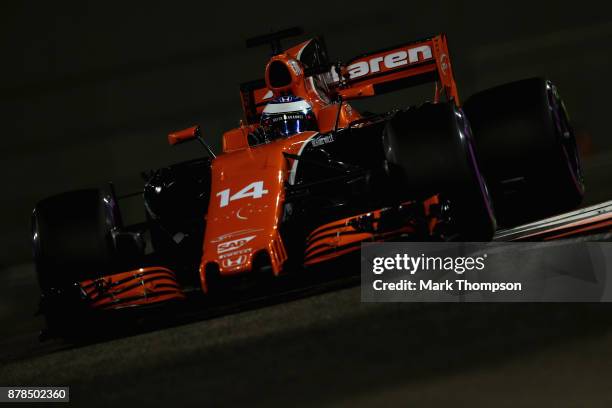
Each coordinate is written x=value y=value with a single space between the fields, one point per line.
x=231 y=262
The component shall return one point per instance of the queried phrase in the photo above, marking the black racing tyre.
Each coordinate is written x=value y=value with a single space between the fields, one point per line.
x=527 y=150
x=429 y=151
x=71 y=234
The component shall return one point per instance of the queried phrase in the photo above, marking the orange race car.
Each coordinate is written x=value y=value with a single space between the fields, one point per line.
x=307 y=178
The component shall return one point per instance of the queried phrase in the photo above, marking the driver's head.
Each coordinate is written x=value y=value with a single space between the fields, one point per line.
x=287 y=115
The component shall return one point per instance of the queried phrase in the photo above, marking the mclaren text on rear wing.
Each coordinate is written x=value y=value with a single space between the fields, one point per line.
x=400 y=67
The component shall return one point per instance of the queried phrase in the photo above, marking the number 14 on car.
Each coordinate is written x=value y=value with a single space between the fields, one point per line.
x=255 y=190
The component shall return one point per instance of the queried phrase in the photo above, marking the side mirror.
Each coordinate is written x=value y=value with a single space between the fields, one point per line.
x=184 y=135
x=235 y=139
x=192 y=133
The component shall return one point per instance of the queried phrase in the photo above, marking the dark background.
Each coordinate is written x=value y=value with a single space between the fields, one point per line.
x=89 y=90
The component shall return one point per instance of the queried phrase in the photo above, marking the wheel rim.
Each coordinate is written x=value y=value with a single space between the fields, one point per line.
x=465 y=131
x=566 y=136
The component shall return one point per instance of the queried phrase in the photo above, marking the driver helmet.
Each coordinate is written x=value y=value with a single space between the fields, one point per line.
x=287 y=115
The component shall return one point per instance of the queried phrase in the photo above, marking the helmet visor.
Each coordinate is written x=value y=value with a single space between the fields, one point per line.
x=288 y=124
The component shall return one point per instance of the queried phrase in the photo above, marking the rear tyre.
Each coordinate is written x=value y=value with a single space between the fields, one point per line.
x=527 y=149
x=429 y=151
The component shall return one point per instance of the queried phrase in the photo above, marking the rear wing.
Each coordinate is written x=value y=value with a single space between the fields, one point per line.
x=418 y=62
x=415 y=63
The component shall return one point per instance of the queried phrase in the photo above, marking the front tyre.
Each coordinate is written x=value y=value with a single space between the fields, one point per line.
x=72 y=242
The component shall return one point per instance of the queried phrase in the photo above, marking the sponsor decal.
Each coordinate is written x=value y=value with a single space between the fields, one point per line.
x=234 y=253
x=235 y=234
x=232 y=262
x=295 y=66
x=322 y=140
x=233 y=245
x=393 y=59
x=444 y=66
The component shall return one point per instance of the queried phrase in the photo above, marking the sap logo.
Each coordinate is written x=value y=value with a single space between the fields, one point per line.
x=231 y=262
x=233 y=245
x=389 y=61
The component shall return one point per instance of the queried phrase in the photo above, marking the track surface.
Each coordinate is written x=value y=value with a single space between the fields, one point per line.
x=330 y=348
x=323 y=346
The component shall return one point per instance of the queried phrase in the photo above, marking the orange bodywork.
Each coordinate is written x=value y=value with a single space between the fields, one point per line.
x=139 y=287
x=245 y=211
x=341 y=237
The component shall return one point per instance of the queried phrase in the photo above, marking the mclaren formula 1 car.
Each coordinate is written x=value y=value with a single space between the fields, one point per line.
x=306 y=178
